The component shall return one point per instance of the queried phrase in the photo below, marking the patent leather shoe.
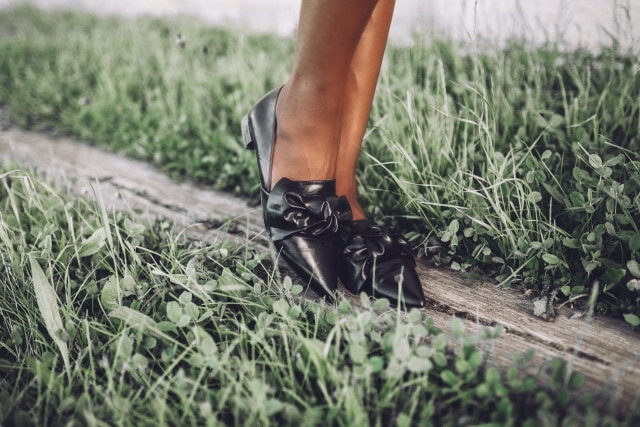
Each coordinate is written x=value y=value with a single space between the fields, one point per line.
x=377 y=260
x=302 y=218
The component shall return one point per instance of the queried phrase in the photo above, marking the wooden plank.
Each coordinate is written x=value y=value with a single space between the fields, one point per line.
x=133 y=185
x=606 y=350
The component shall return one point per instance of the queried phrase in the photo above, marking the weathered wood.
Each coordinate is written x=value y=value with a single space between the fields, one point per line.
x=606 y=350
x=130 y=184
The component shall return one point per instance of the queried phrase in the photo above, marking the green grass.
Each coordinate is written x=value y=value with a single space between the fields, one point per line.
x=524 y=160
x=111 y=320
x=520 y=161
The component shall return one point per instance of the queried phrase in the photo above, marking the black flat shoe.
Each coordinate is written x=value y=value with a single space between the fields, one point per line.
x=377 y=260
x=302 y=217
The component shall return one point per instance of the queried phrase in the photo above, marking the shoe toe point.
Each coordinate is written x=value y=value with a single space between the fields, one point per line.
x=313 y=261
x=400 y=284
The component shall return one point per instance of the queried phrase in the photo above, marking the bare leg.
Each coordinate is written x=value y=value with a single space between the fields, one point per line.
x=358 y=96
x=322 y=112
x=310 y=107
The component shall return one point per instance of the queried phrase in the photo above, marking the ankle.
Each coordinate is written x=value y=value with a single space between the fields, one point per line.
x=305 y=146
x=293 y=160
x=356 y=210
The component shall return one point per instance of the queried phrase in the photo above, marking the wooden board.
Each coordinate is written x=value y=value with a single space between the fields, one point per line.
x=606 y=350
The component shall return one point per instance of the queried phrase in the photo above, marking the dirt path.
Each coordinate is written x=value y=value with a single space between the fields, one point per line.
x=606 y=350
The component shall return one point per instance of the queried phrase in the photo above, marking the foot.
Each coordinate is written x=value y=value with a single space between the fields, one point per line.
x=356 y=209
x=346 y=185
x=302 y=217
x=377 y=260
x=306 y=136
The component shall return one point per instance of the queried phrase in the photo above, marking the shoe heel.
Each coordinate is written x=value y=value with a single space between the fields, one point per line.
x=246 y=133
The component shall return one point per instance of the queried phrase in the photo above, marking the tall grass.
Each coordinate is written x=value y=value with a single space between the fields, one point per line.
x=110 y=320
x=519 y=160
x=128 y=86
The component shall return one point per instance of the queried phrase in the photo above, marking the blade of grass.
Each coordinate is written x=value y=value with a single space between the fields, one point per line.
x=49 y=309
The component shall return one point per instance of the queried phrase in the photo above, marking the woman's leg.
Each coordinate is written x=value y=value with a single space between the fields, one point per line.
x=310 y=106
x=389 y=270
x=358 y=95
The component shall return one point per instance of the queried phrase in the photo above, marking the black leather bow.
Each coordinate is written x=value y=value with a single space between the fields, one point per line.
x=375 y=241
x=370 y=247
x=293 y=208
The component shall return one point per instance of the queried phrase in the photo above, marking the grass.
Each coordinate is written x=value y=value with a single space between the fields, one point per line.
x=111 y=320
x=520 y=161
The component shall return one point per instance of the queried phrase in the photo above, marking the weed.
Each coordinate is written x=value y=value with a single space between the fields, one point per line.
x=110 y=320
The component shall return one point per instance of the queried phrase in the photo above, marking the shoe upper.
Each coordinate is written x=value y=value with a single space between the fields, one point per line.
x=263 y=130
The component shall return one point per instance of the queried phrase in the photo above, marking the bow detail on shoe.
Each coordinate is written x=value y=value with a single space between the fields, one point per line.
x=370 y=253
x=375 y=242
x=306 y=216
x=296 y=207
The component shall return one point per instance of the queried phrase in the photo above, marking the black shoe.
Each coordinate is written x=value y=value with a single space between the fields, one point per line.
x=302 y=217
x=378 y=261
